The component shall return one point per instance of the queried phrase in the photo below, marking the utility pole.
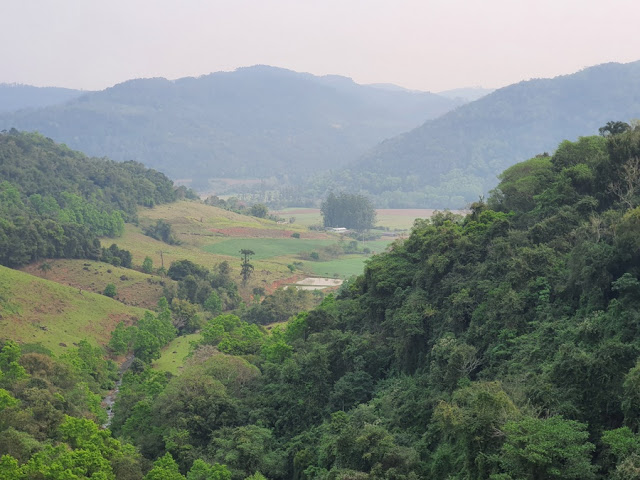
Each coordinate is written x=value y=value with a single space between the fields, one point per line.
x=161 y=258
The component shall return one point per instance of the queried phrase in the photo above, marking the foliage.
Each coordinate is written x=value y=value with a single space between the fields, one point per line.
x=110 y=290
x=279 y=306
x=498 y=345
x=247 y=268
x=147 y=265
x=196 y=283
x=55 y=202
x=161 y=231
x=116 y=256
x=258 y=210
x=348 y=211
x=547 y=448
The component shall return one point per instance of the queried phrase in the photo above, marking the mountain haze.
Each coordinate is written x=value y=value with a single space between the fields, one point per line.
x=16 y=97
x=452 y=159
x=254 y=122
x=468 y=94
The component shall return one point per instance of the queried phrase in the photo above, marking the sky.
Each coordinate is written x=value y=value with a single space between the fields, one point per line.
x=430 y=45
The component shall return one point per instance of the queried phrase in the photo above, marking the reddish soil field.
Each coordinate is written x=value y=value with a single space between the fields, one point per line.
x=249 y=232
x=281 y=283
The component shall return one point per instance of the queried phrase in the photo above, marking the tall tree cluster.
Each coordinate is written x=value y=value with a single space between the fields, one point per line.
x=347 y=210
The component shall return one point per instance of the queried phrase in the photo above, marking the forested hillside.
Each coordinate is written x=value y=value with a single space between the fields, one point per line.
x=452 y=160
x=255 y=122
x=55 y=202
x=500 y=345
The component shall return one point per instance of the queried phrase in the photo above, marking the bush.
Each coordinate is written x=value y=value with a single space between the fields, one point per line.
x=110 y=290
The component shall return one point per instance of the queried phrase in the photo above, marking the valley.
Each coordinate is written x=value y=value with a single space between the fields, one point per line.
x=290 y=328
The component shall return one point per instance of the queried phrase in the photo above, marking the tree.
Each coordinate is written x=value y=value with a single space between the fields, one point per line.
x=110 y=290
x=247 y=268
x=614 y=128
x=165 y=468
x=147 y=265
x=547 y=448
x=161 y=231
x=201 y=470
x=213 y=304
x=348 y=210
x=258 y=210
x=45 y=268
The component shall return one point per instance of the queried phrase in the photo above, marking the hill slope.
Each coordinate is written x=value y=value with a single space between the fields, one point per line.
x=254 y=122
x=36 y=310
x=500 y=345
x=459 y=155
x=16 y=97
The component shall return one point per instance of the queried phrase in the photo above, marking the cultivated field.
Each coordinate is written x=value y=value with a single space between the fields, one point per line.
x=393 y=219
x=210 y=235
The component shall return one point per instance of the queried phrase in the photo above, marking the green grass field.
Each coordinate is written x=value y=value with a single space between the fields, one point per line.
x=343 y=267
x=36 y=310
x=173 y=355
x=267 y=247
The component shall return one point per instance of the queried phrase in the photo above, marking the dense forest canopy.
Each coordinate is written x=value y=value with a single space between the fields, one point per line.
x=55 y=202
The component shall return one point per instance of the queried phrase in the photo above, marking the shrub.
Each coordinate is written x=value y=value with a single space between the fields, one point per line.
x=110 y=290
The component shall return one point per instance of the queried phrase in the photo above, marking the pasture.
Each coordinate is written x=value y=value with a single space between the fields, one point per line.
x=133 y=288
x=37 y=310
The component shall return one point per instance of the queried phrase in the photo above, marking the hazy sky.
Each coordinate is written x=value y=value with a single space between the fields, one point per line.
x=427 y=45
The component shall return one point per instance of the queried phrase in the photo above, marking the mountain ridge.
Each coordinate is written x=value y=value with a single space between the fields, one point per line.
x=256 y=121
x=476 y=141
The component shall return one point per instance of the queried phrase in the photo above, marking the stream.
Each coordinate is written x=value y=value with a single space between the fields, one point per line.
x=110 y=399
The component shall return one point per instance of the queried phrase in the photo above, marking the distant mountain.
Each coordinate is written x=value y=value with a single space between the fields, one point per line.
x=16 y=97
x=390 y=87
x=455 y=158
x=254 y=122
x=468 y=94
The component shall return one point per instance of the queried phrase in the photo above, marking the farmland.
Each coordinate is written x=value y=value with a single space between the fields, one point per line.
x=268 y=247
x=391 y=219
x=209 y=235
